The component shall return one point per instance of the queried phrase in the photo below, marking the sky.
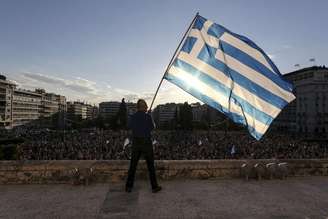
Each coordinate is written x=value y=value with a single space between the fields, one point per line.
x=103 y=50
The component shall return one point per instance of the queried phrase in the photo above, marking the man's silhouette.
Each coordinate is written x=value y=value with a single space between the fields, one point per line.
x=141 y=124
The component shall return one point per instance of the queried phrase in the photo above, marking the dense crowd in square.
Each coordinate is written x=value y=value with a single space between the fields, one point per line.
x=99 y=144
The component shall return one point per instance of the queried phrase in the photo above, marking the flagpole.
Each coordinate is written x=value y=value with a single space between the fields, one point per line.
x=169 y=65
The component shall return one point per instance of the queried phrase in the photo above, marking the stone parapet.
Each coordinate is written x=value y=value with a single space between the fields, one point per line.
x=62 y=171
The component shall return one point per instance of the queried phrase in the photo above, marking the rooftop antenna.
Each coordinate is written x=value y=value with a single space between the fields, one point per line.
x=313 y=61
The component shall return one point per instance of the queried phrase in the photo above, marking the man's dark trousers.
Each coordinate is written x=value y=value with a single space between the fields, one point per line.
x=142 y=146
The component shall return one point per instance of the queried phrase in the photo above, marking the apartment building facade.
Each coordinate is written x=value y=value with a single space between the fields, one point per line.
x=308 y=113
x=26 y=106
x=6 y=93
x=20 y=106
x=76 y=110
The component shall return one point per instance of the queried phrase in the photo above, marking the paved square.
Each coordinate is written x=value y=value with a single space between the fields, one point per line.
x=302 y=197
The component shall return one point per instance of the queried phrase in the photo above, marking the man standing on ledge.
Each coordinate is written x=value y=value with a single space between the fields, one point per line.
x=142 y=124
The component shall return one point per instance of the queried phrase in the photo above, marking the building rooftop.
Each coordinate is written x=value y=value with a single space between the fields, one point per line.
x=20 y=90
x=7 y=82
x=313 y=68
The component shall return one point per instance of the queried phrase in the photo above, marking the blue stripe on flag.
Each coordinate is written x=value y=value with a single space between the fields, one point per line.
x=188 y=44
x=216 y=30
x=204 y=98
x=199 y=22
x=224 y=90
x=207 y=55
x=269 y=94
x=253 y=45
x=254 y=64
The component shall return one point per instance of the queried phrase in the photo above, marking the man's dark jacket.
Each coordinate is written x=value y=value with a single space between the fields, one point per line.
x=141 y=125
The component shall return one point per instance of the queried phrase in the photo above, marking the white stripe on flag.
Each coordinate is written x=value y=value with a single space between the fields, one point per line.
x=205 y=38
x=198 y=44
x=223 y=100
x=248 y=72
x=228 y=38
x=238 y=90
x=239 y=44
x=254 y=76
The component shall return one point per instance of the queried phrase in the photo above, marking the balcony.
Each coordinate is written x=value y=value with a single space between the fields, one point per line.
x=25 y=117
x=26 y=107
x=26 y=111
x=17 y=101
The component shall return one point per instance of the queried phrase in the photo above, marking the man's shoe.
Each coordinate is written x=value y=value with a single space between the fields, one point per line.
x=128 y=189
x=156 y=189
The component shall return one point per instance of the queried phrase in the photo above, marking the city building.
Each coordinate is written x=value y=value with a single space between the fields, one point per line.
x=111 y=108
x=198 y=111
x=92 y=111
x=308 y=113
x=131 y=108
x=19 y=106
x=164 y=114
x=6 y=92
x=26 y=106
x=49 y=103
x=76 y=110
x=205 y=113
x=62 y=104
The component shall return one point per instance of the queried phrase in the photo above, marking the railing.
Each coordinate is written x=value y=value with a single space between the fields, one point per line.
x=26 y=107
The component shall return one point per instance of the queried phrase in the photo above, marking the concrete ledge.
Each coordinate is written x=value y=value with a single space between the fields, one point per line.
x=62 y=171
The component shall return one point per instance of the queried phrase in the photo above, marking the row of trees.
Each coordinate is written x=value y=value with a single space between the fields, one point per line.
x=183 y=119
x=211 y=119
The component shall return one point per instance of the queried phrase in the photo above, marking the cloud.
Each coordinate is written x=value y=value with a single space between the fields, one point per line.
x=95 y=92
x=44 y=78
x=280 y=50
x=77 y=85
x=286 y=46
x=131 y=97
x=169 y=93
x=123 y=91
x=77 y=88
x=148 y=95
x=134 y=96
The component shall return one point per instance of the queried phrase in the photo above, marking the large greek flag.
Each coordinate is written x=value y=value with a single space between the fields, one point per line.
x=232 y=74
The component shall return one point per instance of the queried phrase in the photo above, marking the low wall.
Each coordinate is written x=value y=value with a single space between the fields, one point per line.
x=62 y=171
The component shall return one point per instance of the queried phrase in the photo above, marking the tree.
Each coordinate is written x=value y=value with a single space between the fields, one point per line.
x=99 y=122
x=120 y=120
x=113 y=122
x=206 y=117
x=186 y=116
x=175 y=120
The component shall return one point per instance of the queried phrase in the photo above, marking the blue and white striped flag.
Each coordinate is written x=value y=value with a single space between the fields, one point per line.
x=232 y=74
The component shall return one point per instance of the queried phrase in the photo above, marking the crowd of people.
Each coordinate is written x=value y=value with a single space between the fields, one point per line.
x=96 y=144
